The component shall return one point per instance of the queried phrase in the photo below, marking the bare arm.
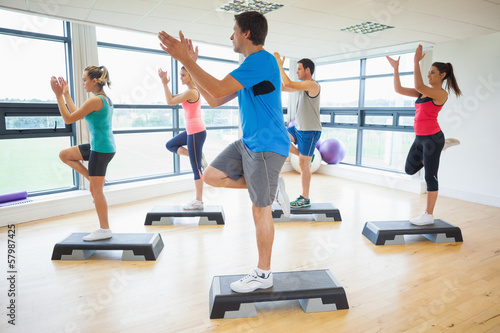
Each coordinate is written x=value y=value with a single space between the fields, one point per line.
x=438 y=94
x=69 y=101
x=91 y=105
x=188 y=95
x=214 y=102
x=312 y=87
x=397 y=81
x=179 y=51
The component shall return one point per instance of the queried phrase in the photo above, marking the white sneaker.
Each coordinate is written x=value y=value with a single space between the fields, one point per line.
x=204 y=162
x=252 y=282
x=194 y=205
x=282 y=197
x=423 y=219
x=99 y=234
x=450 y=143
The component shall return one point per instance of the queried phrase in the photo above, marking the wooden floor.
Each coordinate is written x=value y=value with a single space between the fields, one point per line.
x=417 y=287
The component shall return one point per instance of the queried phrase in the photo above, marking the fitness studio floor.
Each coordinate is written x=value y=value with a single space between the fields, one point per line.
x=418 y=287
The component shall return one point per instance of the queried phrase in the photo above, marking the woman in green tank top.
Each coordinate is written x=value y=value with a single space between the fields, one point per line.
x=98 y=111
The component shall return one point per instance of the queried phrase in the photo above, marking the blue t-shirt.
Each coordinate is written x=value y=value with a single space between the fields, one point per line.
x=100 y=128
x=261 y=112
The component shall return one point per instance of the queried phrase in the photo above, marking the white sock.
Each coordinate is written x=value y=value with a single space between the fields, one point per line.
x=261 y=271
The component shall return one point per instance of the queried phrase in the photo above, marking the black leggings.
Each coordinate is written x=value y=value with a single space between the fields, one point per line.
x=98 y=162
x=426 y=148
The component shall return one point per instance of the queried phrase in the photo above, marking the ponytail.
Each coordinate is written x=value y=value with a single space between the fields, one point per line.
x=451 y=81
x=100 y=73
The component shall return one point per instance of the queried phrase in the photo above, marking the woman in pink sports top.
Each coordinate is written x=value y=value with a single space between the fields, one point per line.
x=429 y=139
x=194 y=136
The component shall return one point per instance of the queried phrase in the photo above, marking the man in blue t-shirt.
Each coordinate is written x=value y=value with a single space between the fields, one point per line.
x=255 y=161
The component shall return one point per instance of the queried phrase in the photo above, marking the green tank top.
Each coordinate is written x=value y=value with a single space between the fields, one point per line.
x=100 y=128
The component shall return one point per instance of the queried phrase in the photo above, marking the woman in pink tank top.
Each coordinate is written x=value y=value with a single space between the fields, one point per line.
x=425 y=151
x=190 y=142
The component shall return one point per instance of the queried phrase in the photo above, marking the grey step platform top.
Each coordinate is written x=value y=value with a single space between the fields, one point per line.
x=135 y=246
x=392 y=232
x=317 y=290
x=164 y=215
x=322 y=212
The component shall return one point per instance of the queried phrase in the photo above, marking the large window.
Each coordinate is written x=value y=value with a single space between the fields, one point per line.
x=32 y=131
x=360 y=108
x=142 y=121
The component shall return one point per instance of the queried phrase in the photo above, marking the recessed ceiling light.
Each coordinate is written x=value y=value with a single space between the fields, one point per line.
x=367 y=28
x=240 y=6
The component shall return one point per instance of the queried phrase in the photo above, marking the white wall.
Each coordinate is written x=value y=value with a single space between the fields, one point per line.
x=471 y=171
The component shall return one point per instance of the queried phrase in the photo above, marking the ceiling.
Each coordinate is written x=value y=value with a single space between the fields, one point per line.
x=302 y=28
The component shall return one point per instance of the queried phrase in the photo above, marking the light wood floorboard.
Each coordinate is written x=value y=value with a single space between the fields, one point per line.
x=417 y=287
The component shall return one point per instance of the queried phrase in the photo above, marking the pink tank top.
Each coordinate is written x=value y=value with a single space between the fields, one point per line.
x=192 y=114
x=426 y=113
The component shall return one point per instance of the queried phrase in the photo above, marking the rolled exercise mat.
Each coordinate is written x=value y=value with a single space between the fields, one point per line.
x=13 y=196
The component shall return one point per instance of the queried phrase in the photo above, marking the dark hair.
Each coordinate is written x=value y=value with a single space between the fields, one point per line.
x=100 y=73
x=307 y=63
x=254 y=22
x=451 y=81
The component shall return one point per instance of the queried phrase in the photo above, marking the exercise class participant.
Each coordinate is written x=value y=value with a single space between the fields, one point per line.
x=195 y=134
x=98 y=112
x=429 y=139
x=255 y=161
x=307 y=129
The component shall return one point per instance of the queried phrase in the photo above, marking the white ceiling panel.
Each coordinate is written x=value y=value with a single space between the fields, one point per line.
x=301 y=26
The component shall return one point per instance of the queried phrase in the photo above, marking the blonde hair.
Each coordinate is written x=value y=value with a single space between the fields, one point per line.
x=100 y=73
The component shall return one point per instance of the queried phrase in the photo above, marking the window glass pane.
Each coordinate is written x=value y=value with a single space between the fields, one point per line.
x=216 y=51
x=124 y=118
x=337 y=70
x=218 y=70
x=39 y=122
x=216 y=141
x=406 y=120
x=380 y=65
x=346 y=119
x=386 y=149
x=24 y=56
x=380 y=92
x=347 y=136
x=130 y=38
x=34 y=165
x=140 y=155
x=215 y=117
x=134 y=75
x=31 y=23
x=342 y=93
x=378 y=120
x=325 y=118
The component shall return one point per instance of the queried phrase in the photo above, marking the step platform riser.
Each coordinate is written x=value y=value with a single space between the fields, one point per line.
x=321 y=212
x=165 y=215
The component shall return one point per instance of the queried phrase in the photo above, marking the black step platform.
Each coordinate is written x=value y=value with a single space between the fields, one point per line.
x=316 y=290
x=321 y=212
x=392 y=232
x=165 y=215
x=144 y=246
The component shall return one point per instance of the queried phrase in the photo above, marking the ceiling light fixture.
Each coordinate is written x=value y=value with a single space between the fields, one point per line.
x=367 y=28
x=240 y=6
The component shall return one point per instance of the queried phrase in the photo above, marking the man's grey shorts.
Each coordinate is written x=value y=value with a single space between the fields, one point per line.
x=261 y=170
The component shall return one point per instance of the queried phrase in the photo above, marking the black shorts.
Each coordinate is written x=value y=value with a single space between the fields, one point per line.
x=98 y=162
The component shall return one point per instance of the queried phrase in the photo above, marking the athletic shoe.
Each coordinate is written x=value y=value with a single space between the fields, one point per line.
x=194 y=205
x=252 y=282
x=204 y=163
x=301 y=202
x=282 y=197
x=423 y=219
x=450 y=143
x=99 y=234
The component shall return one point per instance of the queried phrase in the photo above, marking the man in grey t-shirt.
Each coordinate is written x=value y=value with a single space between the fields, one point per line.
x=307 y=129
